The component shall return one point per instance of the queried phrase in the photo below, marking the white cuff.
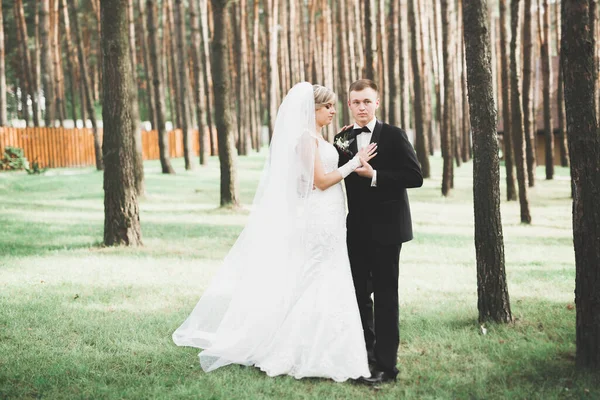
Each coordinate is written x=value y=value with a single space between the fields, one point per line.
x=349 y=167
x=374 y=179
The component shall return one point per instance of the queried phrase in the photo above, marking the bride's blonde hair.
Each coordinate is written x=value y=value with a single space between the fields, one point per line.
x=323 y=96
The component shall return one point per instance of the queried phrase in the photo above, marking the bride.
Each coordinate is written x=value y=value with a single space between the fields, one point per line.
x=283 y=299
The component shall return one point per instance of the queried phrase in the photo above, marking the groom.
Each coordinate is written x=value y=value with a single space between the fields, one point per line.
x=378 y=223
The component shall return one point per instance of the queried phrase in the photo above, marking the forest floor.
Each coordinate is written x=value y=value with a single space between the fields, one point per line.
x=81 y=321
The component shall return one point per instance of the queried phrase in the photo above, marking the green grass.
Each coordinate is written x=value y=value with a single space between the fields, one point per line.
x=81 y=321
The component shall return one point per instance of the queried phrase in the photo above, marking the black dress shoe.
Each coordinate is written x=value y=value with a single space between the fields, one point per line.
x=378 y=377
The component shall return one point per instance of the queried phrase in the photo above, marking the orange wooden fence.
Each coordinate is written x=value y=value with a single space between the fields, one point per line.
x=61 y=147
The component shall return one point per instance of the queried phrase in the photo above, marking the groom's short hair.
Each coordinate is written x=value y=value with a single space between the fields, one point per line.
x=362 y=84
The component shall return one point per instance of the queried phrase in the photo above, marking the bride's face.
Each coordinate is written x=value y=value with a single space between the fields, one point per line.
x=324 y=115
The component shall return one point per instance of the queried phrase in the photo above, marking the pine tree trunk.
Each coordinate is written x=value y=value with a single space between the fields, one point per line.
x=560 y=96
x=404 y=65
x=36 y=68
x=3 y=105
x=382 y=65
x=86 y=85
x=393 y=58
x=447 y=124
x=584 y=148
x=528 y=115
x=206 y=61
x=59 y=75
x=121 y=210
x=419 y=102
x=344 y=48
x=517 y=115
x=199 y=97
x=227 y=158
x=47 y=63
x=492 y=290
x=184 y=83
x=158 y=87
x=271 y=16
x=28 y=79
x=137 y=151
x=370 y=36
x=151 y=101
x=547 y=77
x=256 y=74
x=71 y=60
x=511 y=191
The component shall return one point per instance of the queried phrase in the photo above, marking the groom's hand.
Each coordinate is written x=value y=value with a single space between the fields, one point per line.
x=365 y=170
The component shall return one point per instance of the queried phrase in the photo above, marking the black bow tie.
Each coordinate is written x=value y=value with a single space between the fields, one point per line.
x=357 y=131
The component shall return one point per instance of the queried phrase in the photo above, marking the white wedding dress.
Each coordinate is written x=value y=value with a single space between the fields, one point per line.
x=285 y=303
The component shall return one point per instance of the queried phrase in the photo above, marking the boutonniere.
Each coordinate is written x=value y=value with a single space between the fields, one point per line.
x=343 y=143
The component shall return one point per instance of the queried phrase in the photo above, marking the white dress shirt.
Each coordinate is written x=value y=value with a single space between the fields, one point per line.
x=363 y=139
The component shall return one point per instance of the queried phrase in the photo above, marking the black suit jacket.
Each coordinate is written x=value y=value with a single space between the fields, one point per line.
x=382 y=213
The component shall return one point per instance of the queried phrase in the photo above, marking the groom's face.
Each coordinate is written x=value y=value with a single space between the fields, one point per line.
x=363 y=104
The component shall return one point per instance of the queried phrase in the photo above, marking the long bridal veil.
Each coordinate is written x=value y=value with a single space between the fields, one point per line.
x=249 y=296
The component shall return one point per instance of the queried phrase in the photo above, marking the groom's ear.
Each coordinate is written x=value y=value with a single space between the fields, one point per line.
x=377 y=103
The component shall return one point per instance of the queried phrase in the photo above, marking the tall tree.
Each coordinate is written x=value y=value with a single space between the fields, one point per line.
x=560 y=95
x=517 y=113
x=392 y=60
x=158 y=87
x=404 y=66
x=271 y=14
x=138 y=158
x=28 y=78
x=89 y=99
x=207 y=74
x=184 y=85
x=227 y=156
x=199 y=97
x=70 y=59
x=419 y=101
x=528 y=101
x=3 y=120
x=492 y=290
x=584 y=147
x=47 y=64
x=151 y=104
x=449 y=97
x=121 y=210
x=547 y=88
x=511 y=191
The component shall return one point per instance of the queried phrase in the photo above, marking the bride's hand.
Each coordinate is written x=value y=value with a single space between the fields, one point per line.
x=368 y=152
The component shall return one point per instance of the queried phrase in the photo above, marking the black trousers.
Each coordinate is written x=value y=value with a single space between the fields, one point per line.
x=375 y=269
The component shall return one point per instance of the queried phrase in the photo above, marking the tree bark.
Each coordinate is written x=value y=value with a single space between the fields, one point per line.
x=528 y=106
x=3 y=106
x=28 y=78
x=447 y=123
x=158 y=88
x=584 y=146
x=547 y=79
x=199 y=97
x=393 y=58
x=271 y=16
x=419 y=102
x=511 y=191
x=184 y=83
x=560 y=95
x=138 y=158
x=121 y=210
x=47 y=64
x=492 y=290
x=86 y=85
x=370 y=36
x=517 y=114
x=404 y=66
x=206 y=61
x=71 y=60
x=151 y=101
x=227 y=156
